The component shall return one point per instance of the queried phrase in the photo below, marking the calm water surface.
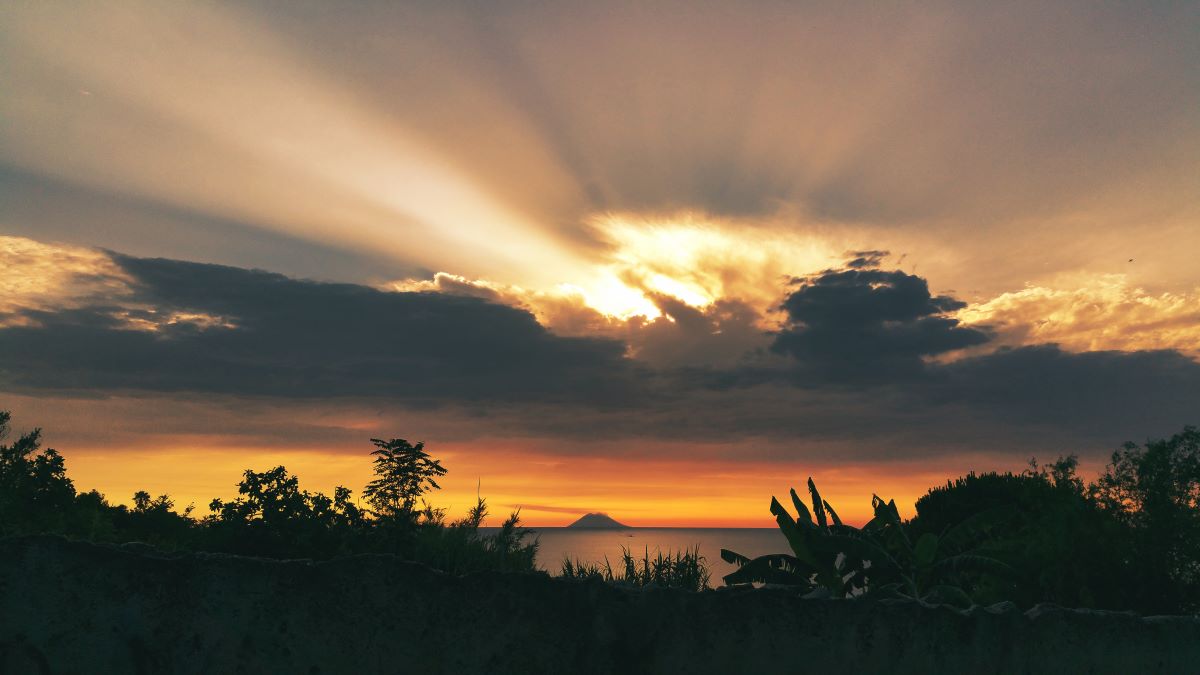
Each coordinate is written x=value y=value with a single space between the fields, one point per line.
x=556 y=543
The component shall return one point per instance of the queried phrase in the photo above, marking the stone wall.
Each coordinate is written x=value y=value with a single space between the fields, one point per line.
x=71 y=607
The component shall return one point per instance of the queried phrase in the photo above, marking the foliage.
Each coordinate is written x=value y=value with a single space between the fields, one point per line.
x=403 y=472
x=1153 y=491
x=1052 y=534
x=272 y=515
x=460 y=547
x=810 y=563
x=35 y=493
x=1130 y=540
x=845 y=561
x=932 y=567
x=684 y=569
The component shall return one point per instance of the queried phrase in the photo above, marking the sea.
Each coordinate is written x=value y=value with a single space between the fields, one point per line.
x=558 y=543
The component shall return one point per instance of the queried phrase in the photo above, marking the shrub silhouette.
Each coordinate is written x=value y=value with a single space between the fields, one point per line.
x=35 y=493
x=844 y=561
x=1130 y=540
x=1055 y=537
x=1153 y=491
x=272 y=515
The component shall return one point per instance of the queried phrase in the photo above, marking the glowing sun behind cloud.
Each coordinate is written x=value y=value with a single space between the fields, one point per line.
x=700 y=259
x=690 y=257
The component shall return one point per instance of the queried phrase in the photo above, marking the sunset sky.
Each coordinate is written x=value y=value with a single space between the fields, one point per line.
x=662 y=260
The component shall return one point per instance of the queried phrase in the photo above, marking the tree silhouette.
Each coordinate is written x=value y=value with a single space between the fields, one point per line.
x=403 y=472
x=35 y=493
x=272 y=516
x=1131 y=540
x=1154 y=491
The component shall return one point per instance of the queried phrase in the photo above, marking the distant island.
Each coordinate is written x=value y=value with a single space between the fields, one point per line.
x=598 y=521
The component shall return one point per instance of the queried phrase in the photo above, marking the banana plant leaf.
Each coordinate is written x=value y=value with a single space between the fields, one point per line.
x=925 y=550
x=895 y=589
x=771 y=569
x=801 y=510
x=733 y=558
x=817 y=502
x=947 y=595
x=832 y=514
x=967 y=562
x=795 y=536
x=958 y=537
x=856 y=547
x=781 y=514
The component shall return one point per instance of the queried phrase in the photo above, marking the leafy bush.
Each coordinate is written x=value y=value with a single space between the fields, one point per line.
x=931 y=568
x=1055 y=537
x=460 y=547
x=1153 y=493
x=271 y=517
x=35 y=493
x=1131 y=540
x=845 y=561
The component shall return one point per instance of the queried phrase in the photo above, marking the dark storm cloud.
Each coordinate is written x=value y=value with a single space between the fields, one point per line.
x=1032 y=401
x=849 y=373
x=268 y=334
x=854 y=363
x=1094 y=394
x=718 y=336
x=869 y=323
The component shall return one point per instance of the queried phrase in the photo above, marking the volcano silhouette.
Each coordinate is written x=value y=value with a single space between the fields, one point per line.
x=597 y=521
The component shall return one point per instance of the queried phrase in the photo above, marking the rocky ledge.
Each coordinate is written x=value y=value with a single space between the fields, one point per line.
x=72 y=607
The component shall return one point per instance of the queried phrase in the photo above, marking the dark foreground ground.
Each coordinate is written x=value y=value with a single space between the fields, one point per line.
x=70 y=607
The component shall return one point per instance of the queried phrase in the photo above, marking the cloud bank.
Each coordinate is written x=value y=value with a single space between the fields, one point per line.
x=865 y=359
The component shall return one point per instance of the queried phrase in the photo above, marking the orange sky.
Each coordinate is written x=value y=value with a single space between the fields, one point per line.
x=118 y=446
x=552 y=491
